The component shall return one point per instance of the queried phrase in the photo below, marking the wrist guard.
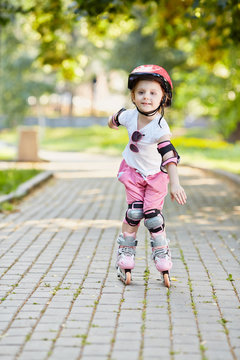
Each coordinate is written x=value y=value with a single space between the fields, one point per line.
x=115 y=117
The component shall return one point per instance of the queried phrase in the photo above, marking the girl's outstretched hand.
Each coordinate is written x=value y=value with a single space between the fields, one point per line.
x=178 y=194
x=111 y=123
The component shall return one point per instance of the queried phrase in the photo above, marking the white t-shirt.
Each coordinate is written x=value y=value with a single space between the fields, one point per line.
x=148 y=160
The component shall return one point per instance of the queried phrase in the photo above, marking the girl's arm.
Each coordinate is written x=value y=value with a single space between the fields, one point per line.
x=176 y=190
x=113 y=122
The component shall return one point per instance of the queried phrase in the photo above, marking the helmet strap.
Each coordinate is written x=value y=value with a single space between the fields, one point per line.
x=153 y=112
x=148 y=113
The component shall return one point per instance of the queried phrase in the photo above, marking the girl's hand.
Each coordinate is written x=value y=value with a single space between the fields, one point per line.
x=178 y=194
x=111 y=124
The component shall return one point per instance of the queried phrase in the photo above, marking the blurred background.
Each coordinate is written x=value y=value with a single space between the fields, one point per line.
x=64 y=67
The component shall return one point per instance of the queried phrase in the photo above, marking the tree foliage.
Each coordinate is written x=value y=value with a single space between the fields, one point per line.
x=198 y=39
x=20 y=75
x=212 y=25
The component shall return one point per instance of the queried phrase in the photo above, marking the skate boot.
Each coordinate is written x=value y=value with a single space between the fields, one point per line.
x=161 y=255
x=125 y=256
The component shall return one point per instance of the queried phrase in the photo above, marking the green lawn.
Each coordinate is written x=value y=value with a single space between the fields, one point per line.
x=199 y=147
x=10 y=179
x=208 y=153
x=7 y=153
x=93 y=139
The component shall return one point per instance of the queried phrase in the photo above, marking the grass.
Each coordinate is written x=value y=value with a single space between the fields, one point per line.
x=8 y=207
x=199 y=147
x=93 y=139
x=212 y=153
x=7 y=154
x=12 y=178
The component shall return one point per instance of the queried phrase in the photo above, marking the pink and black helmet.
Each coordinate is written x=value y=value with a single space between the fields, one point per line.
x=152 y=72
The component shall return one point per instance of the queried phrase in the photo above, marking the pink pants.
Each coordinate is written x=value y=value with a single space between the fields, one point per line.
x=151 y=189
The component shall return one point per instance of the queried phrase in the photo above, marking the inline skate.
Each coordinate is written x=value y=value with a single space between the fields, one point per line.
x=125 y=256
x=161 y=256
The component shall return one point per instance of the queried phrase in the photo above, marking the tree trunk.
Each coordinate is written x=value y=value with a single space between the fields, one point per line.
x=235 y=135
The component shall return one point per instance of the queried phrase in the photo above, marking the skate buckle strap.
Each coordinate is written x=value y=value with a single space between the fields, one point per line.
x=126 y=251
x=159 y=241
x=160 y=252
x=128 y=241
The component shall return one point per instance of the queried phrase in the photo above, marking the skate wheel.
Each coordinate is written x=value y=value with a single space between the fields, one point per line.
x=128 y=277
x=166 y=279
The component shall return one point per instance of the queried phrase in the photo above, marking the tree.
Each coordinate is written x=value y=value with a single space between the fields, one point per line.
x=191 y=36
x=212 y=25
x=20 y=77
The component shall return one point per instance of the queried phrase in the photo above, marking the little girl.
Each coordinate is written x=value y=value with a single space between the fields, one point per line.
x=149 y=163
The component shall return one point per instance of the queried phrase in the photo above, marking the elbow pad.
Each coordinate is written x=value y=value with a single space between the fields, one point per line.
x=163 y=148
x=116 y=116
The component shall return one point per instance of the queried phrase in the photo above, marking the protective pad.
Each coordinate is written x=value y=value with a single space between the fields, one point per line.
x=116 y=116
x=154 y=220
x=163 y=148
x=134 y=214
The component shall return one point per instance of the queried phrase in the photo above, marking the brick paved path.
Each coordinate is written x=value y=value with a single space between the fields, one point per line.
x=61 y=299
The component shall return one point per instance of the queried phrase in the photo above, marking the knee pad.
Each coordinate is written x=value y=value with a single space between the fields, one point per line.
x=154 y=220
x=134 y=213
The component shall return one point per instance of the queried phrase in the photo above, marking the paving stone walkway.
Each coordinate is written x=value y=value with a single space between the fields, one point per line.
x=61 y=299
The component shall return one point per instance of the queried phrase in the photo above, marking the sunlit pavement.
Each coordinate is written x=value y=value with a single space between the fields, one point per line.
x=60 y=296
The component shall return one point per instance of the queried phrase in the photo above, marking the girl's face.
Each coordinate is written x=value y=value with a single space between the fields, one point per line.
x=147 y=95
